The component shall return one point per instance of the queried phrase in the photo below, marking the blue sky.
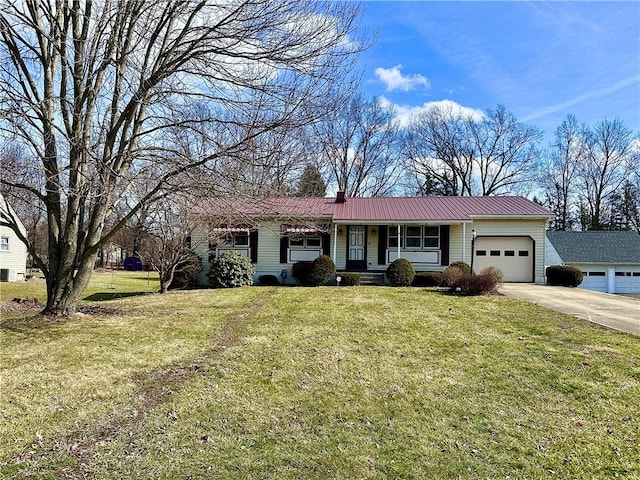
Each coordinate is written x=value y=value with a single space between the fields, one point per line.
x=542 y=60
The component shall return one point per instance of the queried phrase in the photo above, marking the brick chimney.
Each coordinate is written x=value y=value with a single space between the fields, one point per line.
x=340 y=197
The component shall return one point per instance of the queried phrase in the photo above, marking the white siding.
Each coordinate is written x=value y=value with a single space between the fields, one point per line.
x=516 y=228
x=14 y=259
x=268 y=251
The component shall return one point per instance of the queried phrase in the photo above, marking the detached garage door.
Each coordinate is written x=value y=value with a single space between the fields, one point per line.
x=627 y=280
x=512 y=255
x=595 y=279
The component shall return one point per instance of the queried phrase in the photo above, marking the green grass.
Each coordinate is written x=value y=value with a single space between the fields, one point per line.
x=366 y=382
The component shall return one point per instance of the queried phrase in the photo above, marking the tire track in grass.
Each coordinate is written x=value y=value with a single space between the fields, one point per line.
x=157 y=386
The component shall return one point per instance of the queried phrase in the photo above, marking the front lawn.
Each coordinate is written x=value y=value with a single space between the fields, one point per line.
x=365 y=382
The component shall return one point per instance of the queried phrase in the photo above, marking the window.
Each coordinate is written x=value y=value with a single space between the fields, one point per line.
x=4 y=244
x=393 y=237
x=305 y=242
x=509 y=253
x=234 y=239
x=495 y=253
x=481 y=253
x=523 y=253
x=224 y=238
x=431 y=237
x=596 y=274
x=414 y=237
x=623 y=274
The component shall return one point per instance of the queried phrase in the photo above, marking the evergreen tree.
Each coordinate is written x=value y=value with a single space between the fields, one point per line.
x=311 y=183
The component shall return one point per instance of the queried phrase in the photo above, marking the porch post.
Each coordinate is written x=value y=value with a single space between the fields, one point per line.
x=464 y=242
x=398 y=240
x=335 y=243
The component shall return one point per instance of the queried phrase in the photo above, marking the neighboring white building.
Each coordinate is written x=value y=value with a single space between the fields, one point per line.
x=366 y=234
x=13 y=252
x=609 y=260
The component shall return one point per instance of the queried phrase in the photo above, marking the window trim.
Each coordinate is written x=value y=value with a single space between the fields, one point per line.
x=4 y=243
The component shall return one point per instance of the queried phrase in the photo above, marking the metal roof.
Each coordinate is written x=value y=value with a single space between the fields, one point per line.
x=442 y=209
x=376 y=209
x=596 y=246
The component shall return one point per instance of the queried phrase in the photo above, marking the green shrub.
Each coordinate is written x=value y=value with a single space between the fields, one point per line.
x=322 y=270
x=313 y=274
x=301 y=271
x=271 y=280
x=427 y=279
x=187 y=275
x=400 y=273
x=231 y=269
x=463 y=266
x=564 y=275
x=349 y=279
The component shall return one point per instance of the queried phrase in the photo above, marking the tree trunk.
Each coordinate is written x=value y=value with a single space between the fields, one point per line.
x=166 y=277
x=65 y=288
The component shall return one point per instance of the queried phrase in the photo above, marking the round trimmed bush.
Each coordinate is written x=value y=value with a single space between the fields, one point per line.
x=231 y=269
x=400 y=273
x=313 y=274
x=564 y=275
x=322 y=270
x=462 y=266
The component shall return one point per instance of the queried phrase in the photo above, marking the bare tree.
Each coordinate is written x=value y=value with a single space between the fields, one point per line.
x=166 y=246
x=91 y=88
x=559 y=171
x=359 y=148
x=455 y=153
x=439 y=153
x=609 y=148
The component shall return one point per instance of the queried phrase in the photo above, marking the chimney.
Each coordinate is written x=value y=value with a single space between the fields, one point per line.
x=340 y=197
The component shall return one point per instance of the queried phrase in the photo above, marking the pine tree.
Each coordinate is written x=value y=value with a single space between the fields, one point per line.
x=311 y=183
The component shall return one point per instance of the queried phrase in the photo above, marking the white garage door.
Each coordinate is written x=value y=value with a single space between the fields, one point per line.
x=512 y=255
x=627 y=280
x=595 y=280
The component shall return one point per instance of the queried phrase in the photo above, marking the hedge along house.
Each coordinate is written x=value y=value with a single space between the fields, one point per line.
x=367 y=234
x=609 y=260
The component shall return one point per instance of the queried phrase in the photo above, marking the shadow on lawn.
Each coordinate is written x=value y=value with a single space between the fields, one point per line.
x=104 y=296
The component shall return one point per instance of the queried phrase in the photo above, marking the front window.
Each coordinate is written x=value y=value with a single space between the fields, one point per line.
x=229 y=238
x=304 y=242
x=418 y=237
x=4 y=244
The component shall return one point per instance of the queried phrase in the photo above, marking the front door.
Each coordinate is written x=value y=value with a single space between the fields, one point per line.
x=356 y=254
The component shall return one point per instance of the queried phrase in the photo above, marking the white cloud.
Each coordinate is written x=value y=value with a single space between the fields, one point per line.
x=395 y=80
x=404 y=113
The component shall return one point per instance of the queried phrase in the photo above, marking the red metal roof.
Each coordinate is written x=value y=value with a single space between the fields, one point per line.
x=377 y=209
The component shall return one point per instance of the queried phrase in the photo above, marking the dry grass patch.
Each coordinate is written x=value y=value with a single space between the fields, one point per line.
x=346 y=383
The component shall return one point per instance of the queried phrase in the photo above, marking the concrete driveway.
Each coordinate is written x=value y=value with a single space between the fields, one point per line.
x=613 y=311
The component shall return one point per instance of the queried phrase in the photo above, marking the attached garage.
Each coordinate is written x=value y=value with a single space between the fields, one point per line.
x=513 y=255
